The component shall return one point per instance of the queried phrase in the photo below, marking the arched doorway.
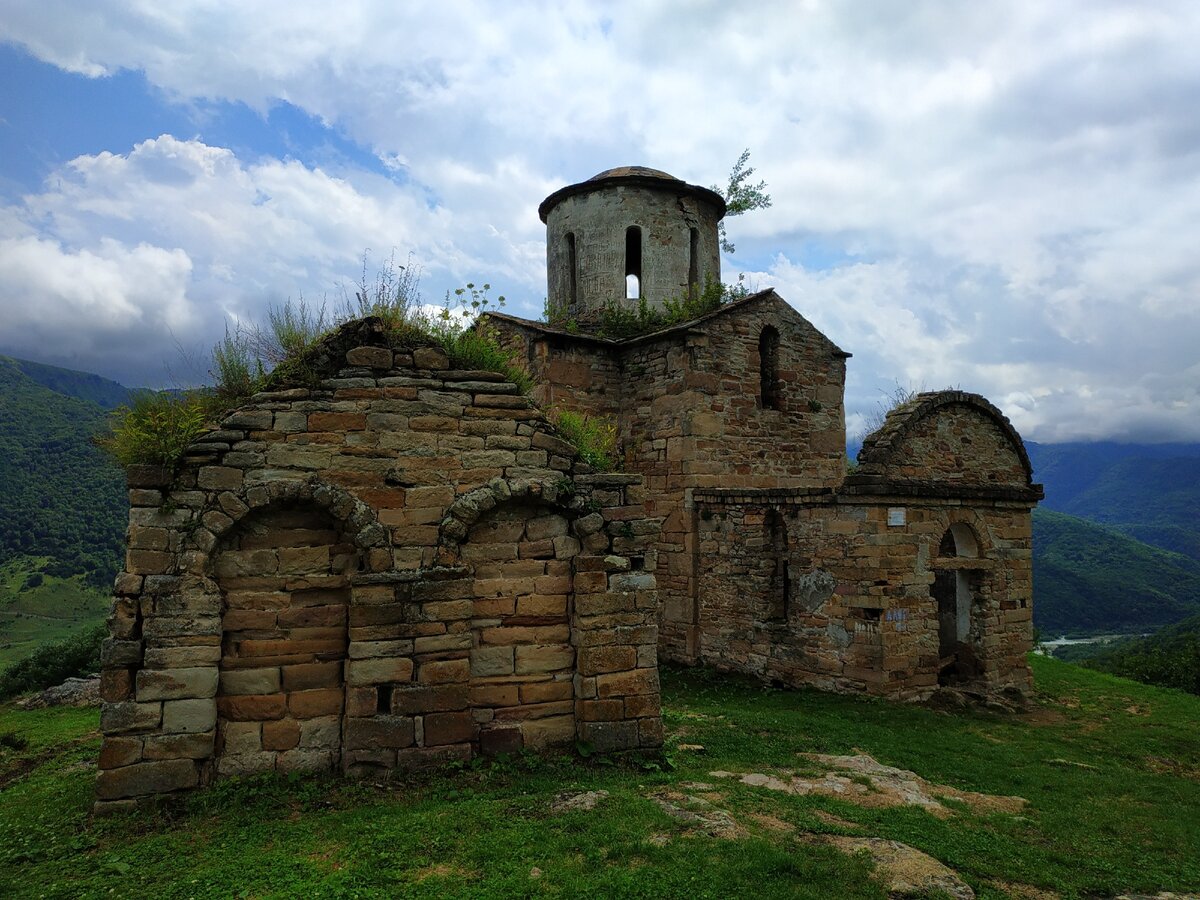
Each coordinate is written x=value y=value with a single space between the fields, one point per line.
x=953 y=590
x=284 y=574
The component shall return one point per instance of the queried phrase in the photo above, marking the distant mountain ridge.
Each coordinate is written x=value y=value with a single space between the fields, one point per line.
x=1150 y=492
x=81 y=385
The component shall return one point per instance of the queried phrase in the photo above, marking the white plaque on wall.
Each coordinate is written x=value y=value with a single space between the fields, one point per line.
x=896 y=515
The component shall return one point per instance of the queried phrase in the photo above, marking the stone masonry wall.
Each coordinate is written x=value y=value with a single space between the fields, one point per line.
x=400 y=567
x=689 y=415
x=859 y=614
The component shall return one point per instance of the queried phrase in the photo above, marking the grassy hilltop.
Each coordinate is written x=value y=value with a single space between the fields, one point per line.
x=1110 y=771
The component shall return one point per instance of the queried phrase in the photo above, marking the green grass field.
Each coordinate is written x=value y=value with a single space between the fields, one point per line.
x=54 y=609
x=1111 y=770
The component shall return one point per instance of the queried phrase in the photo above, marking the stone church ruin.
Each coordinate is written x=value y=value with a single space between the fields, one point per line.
x=404 y=565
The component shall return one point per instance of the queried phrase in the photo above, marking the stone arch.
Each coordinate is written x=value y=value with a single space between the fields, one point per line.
x=520 y=552
x=284 y=572
x=226 y=509
x=959 y=585
x=467 y=509
x=886 y=451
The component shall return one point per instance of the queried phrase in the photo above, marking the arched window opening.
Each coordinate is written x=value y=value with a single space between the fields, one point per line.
x=694 y=265
x=633 y=262
x=953 y=593
x=959 y=540
x=572 y=269
x=768 y=368
x=780 y=589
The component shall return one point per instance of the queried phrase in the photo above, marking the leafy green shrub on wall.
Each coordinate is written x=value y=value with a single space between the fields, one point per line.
x=158 y=426
x=594 y=437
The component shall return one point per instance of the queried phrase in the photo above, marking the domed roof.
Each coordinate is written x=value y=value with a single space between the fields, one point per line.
x=643 y=171
x=642 y=176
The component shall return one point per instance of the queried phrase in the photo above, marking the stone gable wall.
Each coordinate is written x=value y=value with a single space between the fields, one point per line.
x=957 y=446
x=402 y=567
x=689 y=416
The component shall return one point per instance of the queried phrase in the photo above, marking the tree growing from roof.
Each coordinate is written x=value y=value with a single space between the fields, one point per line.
x=741 y=195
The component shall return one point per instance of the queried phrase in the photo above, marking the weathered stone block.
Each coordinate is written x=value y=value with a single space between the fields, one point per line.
x=315 y=703
x=189 y=716
x=546 y=691
x=430 y=358
x=182 y=657
x=419 y=698
x=445 y=671
x=140 y=779
x=622 y=684
x=123 y=718
x=489 y=661
x=505 y=739
x=250 y=681
x=448 y=728
x=610 y=736
x=543 y=658
x=549 y=732
x=116 y=685
x=120 y=751
x=600 y=660
x=370 y=357
x=252 y=707
x=378 y=671
x=219 y=478
x=324 y=733
x=312 y=675
x=379 y=732
x=283 y=734
x=179 y=746
x=241 y=737
x=176 y=684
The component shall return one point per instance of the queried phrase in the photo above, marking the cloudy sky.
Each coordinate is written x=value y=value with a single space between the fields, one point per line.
x=997 y=196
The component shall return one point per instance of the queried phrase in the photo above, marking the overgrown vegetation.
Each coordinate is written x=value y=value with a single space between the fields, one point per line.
x=618 y=321
x=595 y=437
x=157 y=427
x=1109 y=768
x=890 y=399
x=53 y=663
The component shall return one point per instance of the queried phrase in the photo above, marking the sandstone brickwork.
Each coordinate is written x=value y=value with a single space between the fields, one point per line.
x=911 y=572
x=399 y=567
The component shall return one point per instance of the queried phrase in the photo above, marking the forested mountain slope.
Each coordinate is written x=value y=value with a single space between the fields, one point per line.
x=1091 y=578
x=60 y=495
x=1149 y=491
